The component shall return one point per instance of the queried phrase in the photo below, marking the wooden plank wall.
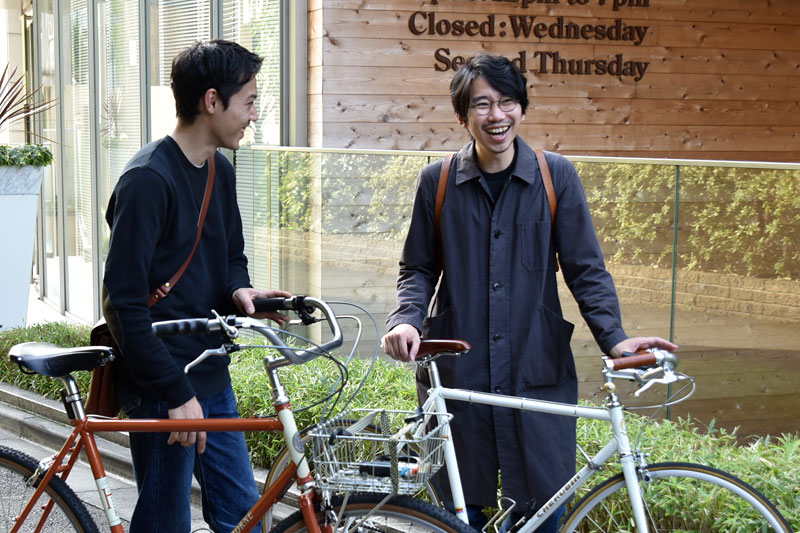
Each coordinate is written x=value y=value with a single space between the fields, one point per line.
x=721 y=78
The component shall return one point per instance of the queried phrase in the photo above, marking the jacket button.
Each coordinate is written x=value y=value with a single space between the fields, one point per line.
x=497 y=337
x=497 y=234
x=498 y=390
x=496 y=286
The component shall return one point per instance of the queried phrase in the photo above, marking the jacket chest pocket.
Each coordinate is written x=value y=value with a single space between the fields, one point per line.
x=533 y=244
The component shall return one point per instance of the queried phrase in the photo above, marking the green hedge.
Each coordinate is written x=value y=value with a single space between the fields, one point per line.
x=770 y=464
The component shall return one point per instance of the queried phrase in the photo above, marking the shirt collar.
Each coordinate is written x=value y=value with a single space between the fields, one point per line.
x=525 y=168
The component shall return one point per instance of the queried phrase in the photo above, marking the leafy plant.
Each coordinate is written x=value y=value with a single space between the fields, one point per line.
x=16 y=104
x=35 y=155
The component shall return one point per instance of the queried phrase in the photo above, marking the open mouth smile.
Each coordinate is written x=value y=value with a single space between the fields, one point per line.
x=497 y=131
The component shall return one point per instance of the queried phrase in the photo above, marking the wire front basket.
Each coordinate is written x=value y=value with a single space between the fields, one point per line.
x=389 y=451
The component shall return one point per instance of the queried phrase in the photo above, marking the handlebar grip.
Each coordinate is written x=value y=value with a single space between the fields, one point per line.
x=632 y=361
x=267 y=305
x=188 y=326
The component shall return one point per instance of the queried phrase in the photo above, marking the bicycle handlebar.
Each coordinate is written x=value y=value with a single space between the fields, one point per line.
x=302 y=305
x=638 y=360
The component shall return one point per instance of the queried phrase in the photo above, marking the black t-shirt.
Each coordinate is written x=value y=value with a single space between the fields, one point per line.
x=497 y=180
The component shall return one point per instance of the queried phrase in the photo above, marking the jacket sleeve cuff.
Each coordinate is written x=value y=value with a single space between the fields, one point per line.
x=178 y=392
x=612 y=340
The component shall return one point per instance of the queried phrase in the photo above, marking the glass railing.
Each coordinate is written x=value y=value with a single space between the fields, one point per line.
x=706 y=253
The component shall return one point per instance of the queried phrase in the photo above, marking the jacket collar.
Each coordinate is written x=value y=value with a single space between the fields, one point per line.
x=524 y=169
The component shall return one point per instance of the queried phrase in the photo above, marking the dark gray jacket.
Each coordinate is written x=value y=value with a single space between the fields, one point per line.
x=499 y=292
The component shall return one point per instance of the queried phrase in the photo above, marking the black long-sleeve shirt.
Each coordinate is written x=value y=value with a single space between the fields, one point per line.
x=153 y=215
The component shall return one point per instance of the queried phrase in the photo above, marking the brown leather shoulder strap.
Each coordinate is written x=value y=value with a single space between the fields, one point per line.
x=441 y=188
x=547 y=180
x=162 y=292
x=548 y=184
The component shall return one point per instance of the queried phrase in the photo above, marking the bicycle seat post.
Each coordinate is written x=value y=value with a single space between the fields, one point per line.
x=433 y=373
x=71 y=398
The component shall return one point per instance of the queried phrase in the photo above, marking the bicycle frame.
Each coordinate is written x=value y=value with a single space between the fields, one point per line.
x=612 y=414
x=85 y=427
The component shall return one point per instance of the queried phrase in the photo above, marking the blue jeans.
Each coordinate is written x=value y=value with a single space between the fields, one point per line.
x=164 y=473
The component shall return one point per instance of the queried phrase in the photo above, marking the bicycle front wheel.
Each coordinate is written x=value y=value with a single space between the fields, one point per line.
x=678 y=497
x=67 y=512
x=399 y=514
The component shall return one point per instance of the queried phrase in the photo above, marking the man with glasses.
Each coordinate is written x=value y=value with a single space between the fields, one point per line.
x=498 y=291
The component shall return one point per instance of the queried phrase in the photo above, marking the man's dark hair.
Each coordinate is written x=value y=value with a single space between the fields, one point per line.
x=501 y=74
x=216 y=64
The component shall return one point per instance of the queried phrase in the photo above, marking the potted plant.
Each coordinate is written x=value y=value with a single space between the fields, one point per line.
x=21 y=171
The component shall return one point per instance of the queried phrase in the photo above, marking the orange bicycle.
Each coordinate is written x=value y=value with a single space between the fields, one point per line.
x=35 y=496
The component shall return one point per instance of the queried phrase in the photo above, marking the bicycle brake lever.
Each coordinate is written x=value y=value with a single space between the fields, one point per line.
x=222 y=350
x=230 y=331
x=669 y=377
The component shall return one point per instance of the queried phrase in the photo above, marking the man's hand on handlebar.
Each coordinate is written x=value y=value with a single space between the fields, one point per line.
x=190 y=409
x=243 y=298
x=634 y=344
x=402 y=342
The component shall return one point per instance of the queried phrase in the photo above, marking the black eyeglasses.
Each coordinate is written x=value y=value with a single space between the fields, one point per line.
x=506 y=105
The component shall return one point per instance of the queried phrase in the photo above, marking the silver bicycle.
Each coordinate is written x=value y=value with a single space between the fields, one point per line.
x=644 y=496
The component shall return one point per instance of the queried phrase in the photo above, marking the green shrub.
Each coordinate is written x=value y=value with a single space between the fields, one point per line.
x=60 y=333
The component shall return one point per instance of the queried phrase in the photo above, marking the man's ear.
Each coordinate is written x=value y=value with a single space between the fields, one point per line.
x=460 y=120
x=210 y=101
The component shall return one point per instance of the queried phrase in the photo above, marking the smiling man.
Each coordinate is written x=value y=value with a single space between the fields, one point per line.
x=154 y=218
x=498 y=292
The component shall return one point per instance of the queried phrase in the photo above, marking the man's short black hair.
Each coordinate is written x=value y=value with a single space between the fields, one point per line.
x=216 y=64
x=501 y=74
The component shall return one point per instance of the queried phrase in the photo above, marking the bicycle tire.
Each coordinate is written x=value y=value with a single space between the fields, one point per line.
x=399 y=514
x=678 y=497
x=282 y=460
x=68 y=512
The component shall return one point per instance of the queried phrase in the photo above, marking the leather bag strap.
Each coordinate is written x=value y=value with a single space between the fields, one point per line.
x=547 y=180
x=162 y=292
x=548 y=184
x=441 y=188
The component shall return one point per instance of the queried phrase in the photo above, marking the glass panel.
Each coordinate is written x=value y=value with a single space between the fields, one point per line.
x=340 y=227
x=738 y=296
x=118 y=105
x=255 y=24
x=77 y=156
x=51 y=245
x=632 y=206
x=175 y=24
